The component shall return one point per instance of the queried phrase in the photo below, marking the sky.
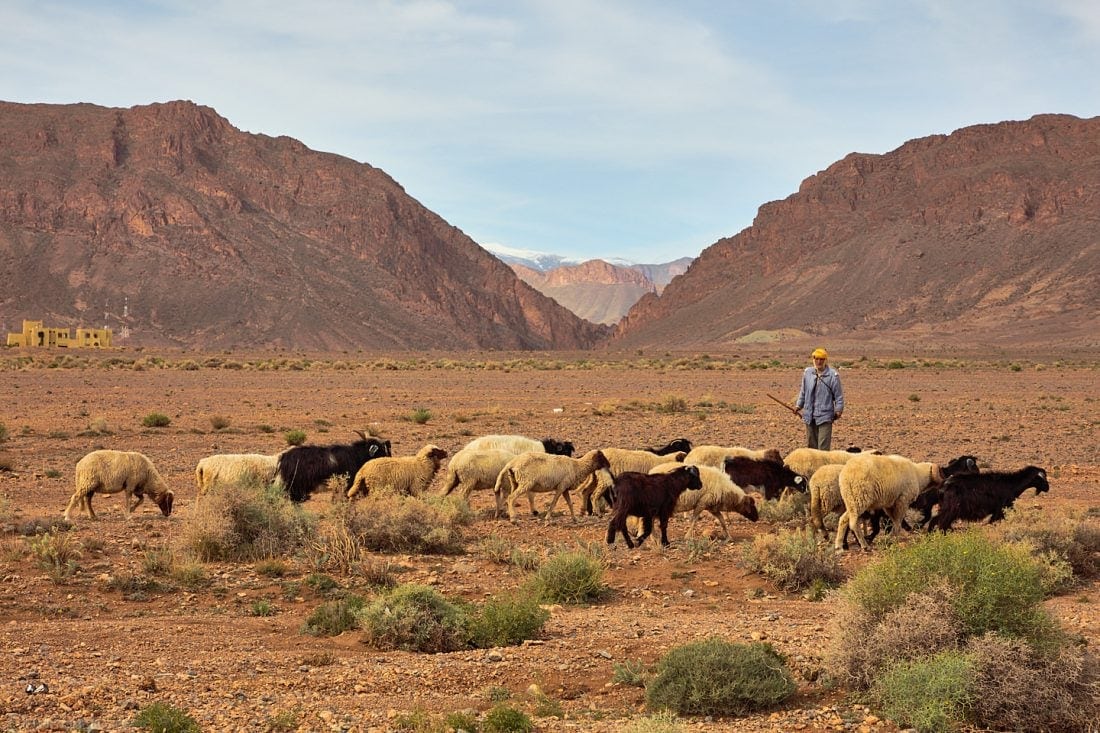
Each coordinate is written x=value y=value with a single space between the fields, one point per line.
x=640 y=130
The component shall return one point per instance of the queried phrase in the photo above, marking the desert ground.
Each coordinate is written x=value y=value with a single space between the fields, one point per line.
x=104 y=654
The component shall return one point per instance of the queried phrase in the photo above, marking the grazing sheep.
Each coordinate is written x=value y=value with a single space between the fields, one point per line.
x=235 y=469
x=111 y=471
x=403 y=474
x=768 y=476
x=804 y=461
x=715 y=455
x=870 y=482
x=673 y=446
x=544 y=472
x=647 y=496
x=304 y=468
x=719 y=494
x=620 y=460
x=517 y=444
x=972 y=497
x=475 y=469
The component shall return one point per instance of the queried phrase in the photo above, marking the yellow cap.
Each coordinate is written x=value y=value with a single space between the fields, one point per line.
x=820 y=354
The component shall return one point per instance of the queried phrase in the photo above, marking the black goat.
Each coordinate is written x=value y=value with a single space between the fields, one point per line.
x=673 y=446
x=971 y=497
x=303 y=468
x=646 y=496
x=767 y=475
x=558 y=447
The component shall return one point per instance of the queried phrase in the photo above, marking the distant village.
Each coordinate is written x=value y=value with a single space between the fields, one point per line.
x=35 y=334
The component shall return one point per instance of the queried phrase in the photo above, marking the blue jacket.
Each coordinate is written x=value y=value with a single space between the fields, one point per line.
x=823 y=402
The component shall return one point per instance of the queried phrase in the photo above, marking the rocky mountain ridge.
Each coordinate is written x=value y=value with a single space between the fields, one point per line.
x=600 y=291
x=218 y=238
x=987 y=236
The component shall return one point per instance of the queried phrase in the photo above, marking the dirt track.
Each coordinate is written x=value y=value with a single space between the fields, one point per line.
x=104 y=656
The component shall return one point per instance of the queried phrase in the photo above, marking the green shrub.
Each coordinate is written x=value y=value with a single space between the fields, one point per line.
x=506 y=719
x=1071 y=537
x=999 y=586
x=929 y=694
x=506 y=620
x=387 y=522
x=1017 y=687
x=156 y=420
x=56 y=553
x=244 y=523
x=572 y=576
x=295 y=437
x=672 y=403
x=714 y=677
x=158 y=561
x=793 y=506
x=793 y=560
x=262 y=607
x=420 y=416
x=662 y=722
x=219 y=422
x=334 y=617
x=460 y=722
x=161 y=718
x=630 y=672
x=413 y=618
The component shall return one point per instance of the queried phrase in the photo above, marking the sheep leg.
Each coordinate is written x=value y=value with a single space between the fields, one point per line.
x=691 y=527
x=86 y=502
x=77 y=500
x=841 y=541
x=512 y=496
x=552 y=503
x=647 y=529
x=856 y=526
x=721 y=521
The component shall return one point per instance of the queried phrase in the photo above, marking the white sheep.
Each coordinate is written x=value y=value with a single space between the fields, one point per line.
x=719 y=494
x=619 y=461
x=544 y=472
x=715 y=455
x=475 y=469
x=111 y=471
x=805 y=461
x=235 y=469
x=825 y=496
x=402 y=474
x=517 y=444
x=891 y=483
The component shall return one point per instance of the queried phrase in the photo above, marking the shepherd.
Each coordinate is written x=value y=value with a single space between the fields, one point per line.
x=820 y=400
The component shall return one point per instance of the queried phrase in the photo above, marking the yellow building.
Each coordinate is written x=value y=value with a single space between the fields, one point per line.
x=35 y=334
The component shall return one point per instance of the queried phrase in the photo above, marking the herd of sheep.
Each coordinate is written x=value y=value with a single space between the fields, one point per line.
x=647 y=484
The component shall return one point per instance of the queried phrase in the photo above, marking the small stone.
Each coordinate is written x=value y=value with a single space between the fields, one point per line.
x=494 y=656
x=603 y=653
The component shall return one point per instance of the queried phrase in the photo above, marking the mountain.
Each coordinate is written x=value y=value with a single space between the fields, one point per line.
x=984 y=237
x=597 y=290
x=213 y=237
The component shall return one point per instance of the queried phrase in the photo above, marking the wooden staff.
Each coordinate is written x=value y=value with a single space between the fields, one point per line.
x=783 y=403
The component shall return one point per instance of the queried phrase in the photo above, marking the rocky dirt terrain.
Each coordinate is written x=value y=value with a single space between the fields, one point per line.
x=105 y=654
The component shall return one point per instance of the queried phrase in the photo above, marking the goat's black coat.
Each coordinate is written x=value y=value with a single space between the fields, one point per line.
x=303 y=468
x=673 y=446
x=558 y=447
x=971 y=497
x=646 y=496
x=773 y=476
